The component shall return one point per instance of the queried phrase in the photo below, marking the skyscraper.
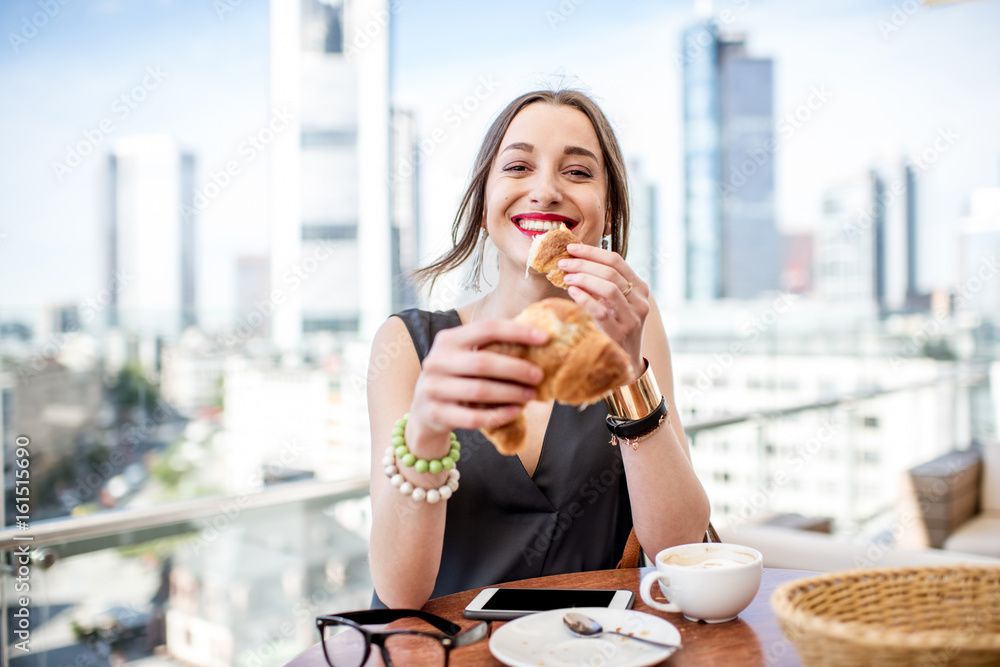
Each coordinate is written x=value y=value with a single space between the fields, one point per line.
x=405 y=184
x=646 y=255
x=979 y=247
x=733 y=248
x=331 y=240
x=912 y=247
x=151 y=249
x=851 y=254
x=702 y=173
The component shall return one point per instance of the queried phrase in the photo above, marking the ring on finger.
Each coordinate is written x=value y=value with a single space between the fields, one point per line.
x=627 y=289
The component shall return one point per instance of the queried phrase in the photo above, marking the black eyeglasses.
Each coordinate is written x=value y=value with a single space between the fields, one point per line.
x=346 y=643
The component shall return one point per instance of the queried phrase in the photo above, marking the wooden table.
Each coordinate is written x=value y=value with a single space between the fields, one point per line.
x=754 y=639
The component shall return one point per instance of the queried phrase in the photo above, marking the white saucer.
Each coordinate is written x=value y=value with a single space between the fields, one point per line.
x=542 y=639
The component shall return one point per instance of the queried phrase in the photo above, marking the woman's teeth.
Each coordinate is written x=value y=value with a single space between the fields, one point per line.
x=540 y=225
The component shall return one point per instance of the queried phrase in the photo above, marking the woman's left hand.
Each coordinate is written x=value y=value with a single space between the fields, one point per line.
x=617 y=299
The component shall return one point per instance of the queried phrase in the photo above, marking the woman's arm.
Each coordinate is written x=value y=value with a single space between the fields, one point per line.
x=669 y=505
x=407 y=535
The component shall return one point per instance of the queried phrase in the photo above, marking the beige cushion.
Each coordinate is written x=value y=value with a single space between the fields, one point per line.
x=801 y=550
x=989 y=492
x=979 y=535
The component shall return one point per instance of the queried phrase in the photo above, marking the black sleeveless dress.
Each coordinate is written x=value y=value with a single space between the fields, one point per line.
x=573 y=515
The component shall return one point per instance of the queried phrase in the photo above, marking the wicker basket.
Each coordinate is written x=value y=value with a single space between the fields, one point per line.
x=883 y=617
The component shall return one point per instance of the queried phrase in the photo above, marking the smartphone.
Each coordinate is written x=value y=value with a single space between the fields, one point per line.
x=506 y=603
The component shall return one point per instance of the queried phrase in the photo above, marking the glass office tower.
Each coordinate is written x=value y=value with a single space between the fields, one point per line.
x=733 y=245
x=702 y=214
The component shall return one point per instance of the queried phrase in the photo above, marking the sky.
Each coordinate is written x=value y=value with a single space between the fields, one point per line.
x=894 y=76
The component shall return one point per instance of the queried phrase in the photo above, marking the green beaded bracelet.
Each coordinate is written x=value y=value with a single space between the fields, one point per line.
x=407 y=458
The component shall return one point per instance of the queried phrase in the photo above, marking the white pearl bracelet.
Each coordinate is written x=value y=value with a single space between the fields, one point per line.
x=418 y=493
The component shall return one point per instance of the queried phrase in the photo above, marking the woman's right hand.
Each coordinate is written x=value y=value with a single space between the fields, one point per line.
x=462 y=386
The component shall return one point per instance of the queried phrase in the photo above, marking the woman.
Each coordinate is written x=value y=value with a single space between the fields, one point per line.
x=569 y=499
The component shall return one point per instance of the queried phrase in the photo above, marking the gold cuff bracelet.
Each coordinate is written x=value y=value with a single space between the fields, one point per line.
x=637 y=400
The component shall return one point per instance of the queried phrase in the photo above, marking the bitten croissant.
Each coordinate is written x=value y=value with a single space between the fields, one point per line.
x=546 y=251
x=580 y=362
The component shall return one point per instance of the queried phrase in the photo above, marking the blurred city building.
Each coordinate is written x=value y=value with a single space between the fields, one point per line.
x=58 y=401
x=797 y=270
x=916 y=299
x=288 y=419
x=646 y=253
x=843 y=462
x=978 y=288
x=330 y=203
x=733 y=249
x=405 y=207
x=247 y=593
x=191 y=374
x=832 y=456
x=813 y=401
x=151 y=237
x=276 y=421
x=253 y=289
x=851 y=265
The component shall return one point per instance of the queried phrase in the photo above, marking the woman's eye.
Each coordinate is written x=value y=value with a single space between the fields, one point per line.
x=514 y=167
x=580 y=172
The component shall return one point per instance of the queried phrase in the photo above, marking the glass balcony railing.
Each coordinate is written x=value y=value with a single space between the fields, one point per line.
x=231 y=580
x=196 y=503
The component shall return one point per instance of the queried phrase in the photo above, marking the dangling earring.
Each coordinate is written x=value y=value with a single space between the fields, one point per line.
x=604 y=242
x=476 y=271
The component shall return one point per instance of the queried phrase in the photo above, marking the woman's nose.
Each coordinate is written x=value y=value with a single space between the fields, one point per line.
x=545 y=189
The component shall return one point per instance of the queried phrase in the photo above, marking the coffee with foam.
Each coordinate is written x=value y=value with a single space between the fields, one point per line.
x=709 y=560
x=710 y=582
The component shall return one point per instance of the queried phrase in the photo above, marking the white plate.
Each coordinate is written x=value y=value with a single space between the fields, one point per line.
x=542 y=640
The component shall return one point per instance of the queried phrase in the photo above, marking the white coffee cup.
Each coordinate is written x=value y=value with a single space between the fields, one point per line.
x=709 y=582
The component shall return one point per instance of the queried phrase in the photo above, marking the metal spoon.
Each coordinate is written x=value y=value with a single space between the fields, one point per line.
x=585 y=626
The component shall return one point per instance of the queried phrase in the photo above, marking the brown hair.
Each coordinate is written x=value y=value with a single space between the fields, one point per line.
x=465 y=230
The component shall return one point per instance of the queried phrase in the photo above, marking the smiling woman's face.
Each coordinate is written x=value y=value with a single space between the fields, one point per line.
x=549 y=172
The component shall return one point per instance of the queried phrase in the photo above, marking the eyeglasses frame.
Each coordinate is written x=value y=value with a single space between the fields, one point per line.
x=453 y=636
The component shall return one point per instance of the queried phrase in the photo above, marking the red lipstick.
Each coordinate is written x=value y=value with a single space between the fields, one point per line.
x=522 y=219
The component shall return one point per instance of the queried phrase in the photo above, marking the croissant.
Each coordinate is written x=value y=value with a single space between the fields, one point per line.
x=580 y=362
x=546 y=251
